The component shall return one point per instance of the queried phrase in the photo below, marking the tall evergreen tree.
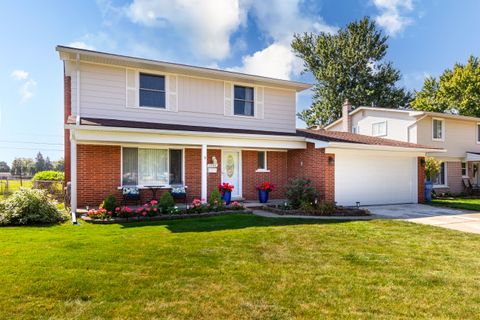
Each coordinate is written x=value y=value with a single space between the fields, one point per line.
x=4 y=167
x=48 y=164
x=39 y=162
x=348 y=65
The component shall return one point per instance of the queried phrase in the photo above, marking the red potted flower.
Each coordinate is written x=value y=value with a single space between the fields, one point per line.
x=226 y=191
x=264 y=189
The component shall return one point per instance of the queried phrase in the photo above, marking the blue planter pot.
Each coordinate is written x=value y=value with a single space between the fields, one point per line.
x=428 y=191
x=227 y=197
x=263 y=196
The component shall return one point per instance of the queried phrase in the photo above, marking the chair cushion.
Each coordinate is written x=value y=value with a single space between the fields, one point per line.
x=130 y=191
x=177 y=190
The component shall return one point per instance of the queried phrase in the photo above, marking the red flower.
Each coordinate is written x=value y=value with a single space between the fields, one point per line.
x=266 y=186
x=225 y=187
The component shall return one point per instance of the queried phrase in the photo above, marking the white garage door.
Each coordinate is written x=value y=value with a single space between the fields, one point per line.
x=374 y=178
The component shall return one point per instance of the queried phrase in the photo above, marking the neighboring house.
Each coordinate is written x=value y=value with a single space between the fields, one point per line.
x=132 y=121
x=458 y=135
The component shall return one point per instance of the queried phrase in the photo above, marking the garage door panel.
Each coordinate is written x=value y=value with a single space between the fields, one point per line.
x=374 y=179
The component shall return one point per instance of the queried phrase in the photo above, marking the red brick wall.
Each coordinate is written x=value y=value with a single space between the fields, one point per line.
x=67 y=106
x=98 y=173
x=421 y=179
x=314 y=164
x=276 y=163
x=193 y=173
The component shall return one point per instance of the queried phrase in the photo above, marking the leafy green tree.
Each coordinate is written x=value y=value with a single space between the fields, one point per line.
x=348 y=65
x=48 y=164
x=59 y=165
x=455 y=90
x=23 y=167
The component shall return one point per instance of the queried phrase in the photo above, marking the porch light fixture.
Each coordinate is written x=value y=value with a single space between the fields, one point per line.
x=422 y=162
x=331 y=160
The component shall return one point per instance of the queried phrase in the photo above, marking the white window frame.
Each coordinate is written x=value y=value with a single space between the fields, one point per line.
x=382 y=134
x=355 y=129
x=445 y=172
x=254 y=115
x=139 y=73
x=476 y=133
x=158 y=148
x=266 y=162
x=466 y=169
x=443 y=129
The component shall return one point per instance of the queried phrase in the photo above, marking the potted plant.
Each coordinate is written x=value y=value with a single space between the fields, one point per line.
x=432 y=168
x=226 y=190
x=263 y=190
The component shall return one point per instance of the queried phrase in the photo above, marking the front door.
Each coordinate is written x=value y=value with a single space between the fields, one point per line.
x=231 y=171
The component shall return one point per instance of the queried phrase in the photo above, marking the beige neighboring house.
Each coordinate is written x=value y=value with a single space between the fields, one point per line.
x=458 y=135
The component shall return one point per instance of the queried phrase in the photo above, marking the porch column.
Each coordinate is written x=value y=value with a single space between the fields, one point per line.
x=204 y=173
x=73 y=175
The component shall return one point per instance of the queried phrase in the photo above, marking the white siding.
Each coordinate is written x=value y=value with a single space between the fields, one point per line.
x=397 y=123
x=199 y=101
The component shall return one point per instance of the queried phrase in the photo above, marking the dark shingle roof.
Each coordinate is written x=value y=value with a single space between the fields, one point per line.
x=347 y=137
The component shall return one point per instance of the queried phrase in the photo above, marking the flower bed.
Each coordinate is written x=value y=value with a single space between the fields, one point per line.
x=156 y=211
x=334 y=212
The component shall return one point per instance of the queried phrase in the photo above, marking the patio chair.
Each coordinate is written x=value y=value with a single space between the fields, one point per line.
x=179 y=192
x=467 y=186
x=474 y=187
x=130 y=194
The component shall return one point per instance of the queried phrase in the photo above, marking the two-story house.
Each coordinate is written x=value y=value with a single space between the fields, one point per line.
x=458 y=135
x=132 y=121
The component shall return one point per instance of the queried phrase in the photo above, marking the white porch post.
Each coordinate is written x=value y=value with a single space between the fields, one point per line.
x=73 y=178
x=204 y=172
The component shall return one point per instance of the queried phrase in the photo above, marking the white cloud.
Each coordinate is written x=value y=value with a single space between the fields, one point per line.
x=28 y=86
x=392 y=14
x=81 y=45
x=207 y=25
x=276 y=61
x=19 y=74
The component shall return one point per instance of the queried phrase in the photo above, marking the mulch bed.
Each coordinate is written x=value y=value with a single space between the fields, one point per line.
x=163 y=217
x=341 y=212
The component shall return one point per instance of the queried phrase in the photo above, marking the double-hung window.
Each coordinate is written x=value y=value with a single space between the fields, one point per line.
x=152 y=91
x=261 y=160
x=464 y=169
x=243 y=104
x=438 y=130
x=151 y=167
x=379 y=129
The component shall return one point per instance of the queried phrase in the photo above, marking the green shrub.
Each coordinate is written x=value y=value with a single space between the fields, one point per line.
x=215 y=198
x=29 y=206
x=109 y=204
x=300 y=191
x=166 y=202
x=49 y=175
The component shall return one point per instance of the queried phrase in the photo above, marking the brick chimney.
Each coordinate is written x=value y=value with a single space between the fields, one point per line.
x=346 y=117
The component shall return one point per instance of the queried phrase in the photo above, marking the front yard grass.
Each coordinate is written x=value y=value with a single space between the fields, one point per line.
x=239 y=266
x=458 y=203
x=13 y=185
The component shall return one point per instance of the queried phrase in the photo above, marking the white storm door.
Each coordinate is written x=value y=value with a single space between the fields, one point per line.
x=231 y=171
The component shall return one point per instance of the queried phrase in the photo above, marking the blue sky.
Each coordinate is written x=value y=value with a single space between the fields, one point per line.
x=245 y=35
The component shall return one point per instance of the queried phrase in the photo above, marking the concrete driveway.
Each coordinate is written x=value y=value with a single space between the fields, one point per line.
x=461 y=220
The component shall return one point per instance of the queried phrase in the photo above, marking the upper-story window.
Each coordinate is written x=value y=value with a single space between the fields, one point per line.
x=438 y=129
x=379 y=129
x=243 y=104
x=152 y=91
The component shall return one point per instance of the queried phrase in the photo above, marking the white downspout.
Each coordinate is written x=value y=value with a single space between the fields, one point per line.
x=77 y=120
x=73 y=177
x=204 y=173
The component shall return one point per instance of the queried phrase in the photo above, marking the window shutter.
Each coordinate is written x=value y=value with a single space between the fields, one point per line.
x=132 y=88
x=228 y=92
x=259 y=102
x=171 y=93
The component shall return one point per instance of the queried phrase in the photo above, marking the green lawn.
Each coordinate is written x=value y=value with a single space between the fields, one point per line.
x=239 y=266
x=13 y=185
x=458 y=203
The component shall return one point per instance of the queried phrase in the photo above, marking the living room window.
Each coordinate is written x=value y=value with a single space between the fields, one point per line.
x=438 y=129
x=243 y=104
x=152 y=91
x=464 y=169
x=379 y=129
x=151 y=167
x=440 y=178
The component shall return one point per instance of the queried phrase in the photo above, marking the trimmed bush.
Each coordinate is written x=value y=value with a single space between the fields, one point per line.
x=166 y=202
x=29 y=206
x=109 y=204
x=49 y=175
x=215 y=198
